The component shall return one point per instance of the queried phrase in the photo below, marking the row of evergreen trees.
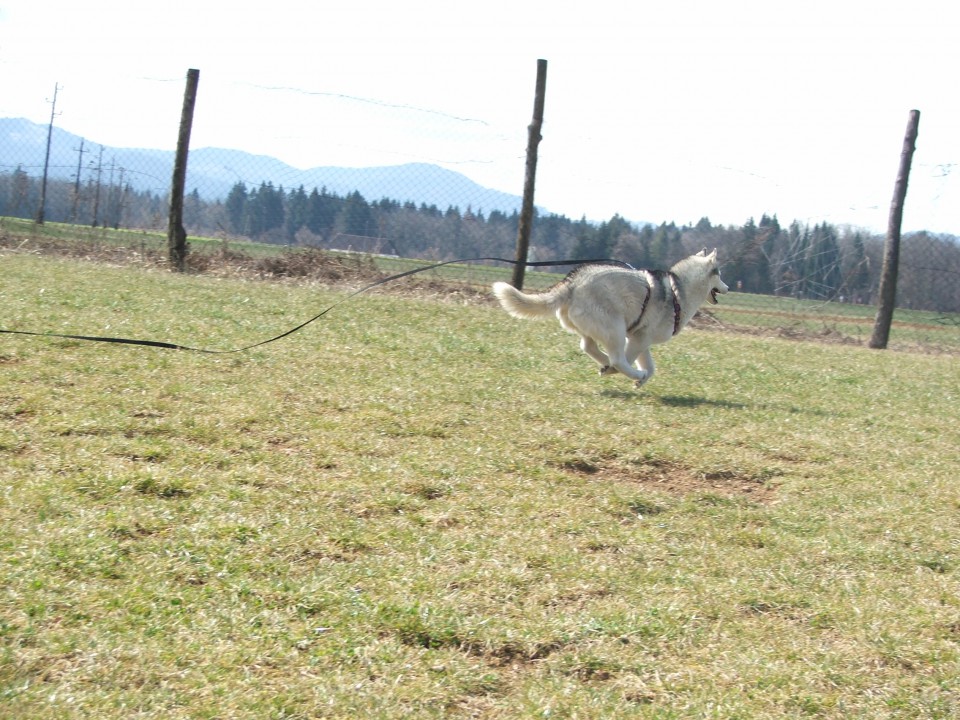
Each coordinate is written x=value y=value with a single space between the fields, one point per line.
x=822 y=262
x=819 y=262
x=106 y=201
x=801 y=261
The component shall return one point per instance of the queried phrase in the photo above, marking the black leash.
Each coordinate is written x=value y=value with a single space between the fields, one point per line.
x=382 y=281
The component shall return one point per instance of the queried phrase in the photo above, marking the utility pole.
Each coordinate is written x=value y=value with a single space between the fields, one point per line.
x=76 y=185
x=121 y=201
x=41 y=211
x=96 y=197
x=111 y=192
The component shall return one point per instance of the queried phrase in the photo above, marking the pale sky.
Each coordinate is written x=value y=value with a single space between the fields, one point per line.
x=658 y=111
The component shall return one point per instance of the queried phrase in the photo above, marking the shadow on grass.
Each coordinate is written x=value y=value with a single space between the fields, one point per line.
x=687 y=401
x=695 y=401
x=681 y=401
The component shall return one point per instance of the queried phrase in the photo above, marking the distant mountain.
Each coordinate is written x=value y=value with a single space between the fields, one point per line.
x=214 y=171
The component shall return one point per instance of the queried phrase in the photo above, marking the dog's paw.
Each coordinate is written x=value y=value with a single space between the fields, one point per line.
x=608 y=370
x=641 y=382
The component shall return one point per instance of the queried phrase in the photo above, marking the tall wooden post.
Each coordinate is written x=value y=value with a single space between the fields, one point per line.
x=176 y=235
x=891 y=247
x=530 y=178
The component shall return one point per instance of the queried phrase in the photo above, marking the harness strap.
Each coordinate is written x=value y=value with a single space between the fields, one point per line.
x=648 y=276
x=652 y=277
x=676 y=302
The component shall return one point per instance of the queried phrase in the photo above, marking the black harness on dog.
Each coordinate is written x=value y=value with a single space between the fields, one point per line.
x=657 y=277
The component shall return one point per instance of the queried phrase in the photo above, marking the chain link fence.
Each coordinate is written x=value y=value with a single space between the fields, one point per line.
x=420 y=186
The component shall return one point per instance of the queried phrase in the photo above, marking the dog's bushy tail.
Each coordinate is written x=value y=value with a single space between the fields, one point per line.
x=521 y=305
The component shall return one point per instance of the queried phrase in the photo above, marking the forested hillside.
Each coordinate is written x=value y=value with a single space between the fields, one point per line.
x=819 y=262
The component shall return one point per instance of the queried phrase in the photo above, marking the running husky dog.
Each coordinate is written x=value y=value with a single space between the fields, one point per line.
x=624 y=310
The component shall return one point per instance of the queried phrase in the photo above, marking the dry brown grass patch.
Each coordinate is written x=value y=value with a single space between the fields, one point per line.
x=674 y=478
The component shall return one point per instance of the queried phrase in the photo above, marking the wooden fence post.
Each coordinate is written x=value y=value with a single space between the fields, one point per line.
x=530 y=178
x=176 y=235
x=891 y=247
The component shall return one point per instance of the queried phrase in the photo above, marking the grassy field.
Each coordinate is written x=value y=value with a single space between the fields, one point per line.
x=424 y=508
x=788 y=317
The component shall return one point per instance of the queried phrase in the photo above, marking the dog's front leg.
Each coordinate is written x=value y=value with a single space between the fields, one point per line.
x=614 y=341
x=590 y=347
x=646 y=365
x=618 y=363
x=640 y=356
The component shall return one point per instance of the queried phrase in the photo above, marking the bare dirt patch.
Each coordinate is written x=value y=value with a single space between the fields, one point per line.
x=294 y=264
x=676 y=479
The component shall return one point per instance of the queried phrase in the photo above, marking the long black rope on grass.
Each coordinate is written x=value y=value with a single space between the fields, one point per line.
x=382 y=281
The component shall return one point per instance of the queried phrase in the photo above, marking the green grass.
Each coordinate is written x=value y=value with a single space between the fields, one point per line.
x=136 y=239
x=420 y=508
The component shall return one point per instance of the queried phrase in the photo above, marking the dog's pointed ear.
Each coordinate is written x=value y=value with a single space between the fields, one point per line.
x=702 y=253
x=713 y=255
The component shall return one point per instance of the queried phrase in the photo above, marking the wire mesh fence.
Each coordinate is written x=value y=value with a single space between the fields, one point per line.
x=431 y=186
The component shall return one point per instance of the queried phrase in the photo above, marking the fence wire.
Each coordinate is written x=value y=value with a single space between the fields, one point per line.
x=420 y=187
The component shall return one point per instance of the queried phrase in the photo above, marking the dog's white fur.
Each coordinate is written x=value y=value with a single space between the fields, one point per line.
x=623 y=310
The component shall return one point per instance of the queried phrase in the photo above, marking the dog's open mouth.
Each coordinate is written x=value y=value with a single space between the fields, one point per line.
x=713 y=296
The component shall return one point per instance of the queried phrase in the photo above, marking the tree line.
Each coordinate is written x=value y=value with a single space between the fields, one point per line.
x=822 y=262
x=104 y=199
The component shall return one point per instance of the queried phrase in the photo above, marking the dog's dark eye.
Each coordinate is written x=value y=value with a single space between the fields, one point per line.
x=715 y=271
